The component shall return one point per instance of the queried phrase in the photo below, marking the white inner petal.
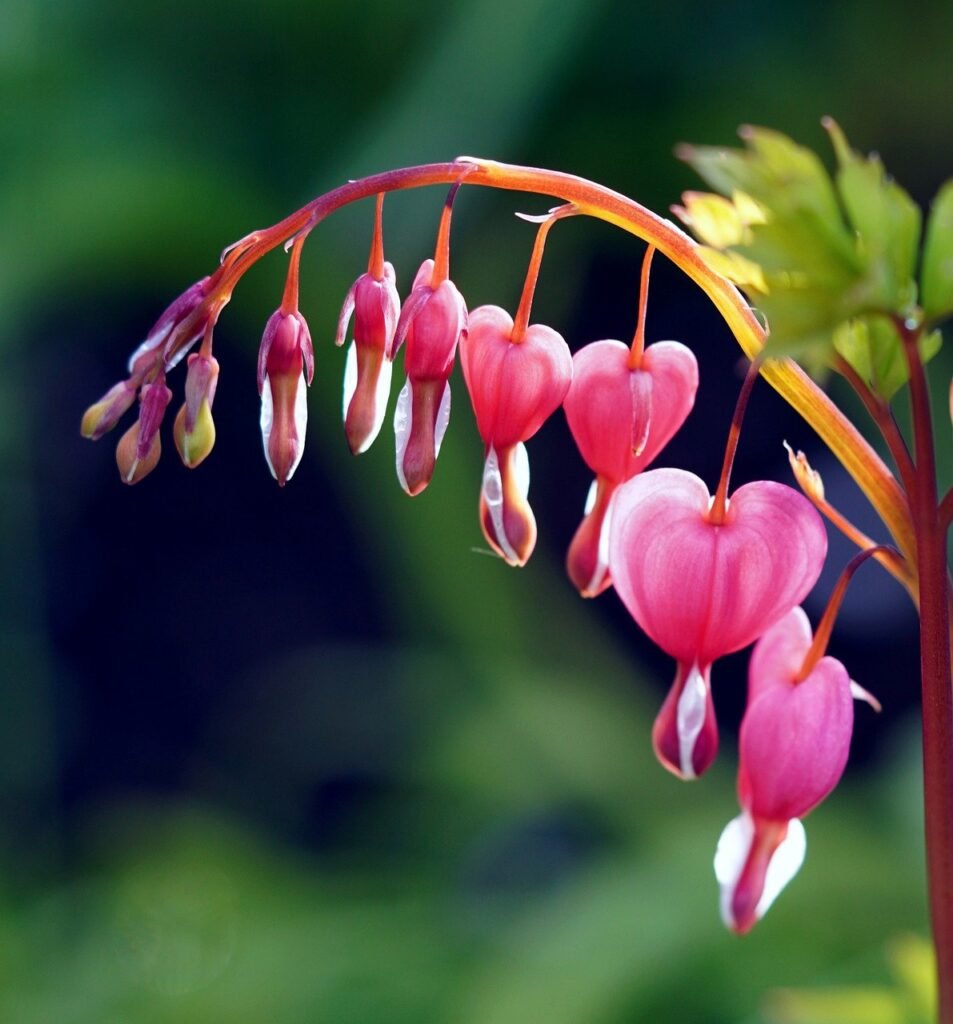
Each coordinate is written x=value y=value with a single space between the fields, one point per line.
x=301 y=422
x=267 y=421
x=690 y=717
x=492 y=492
x=731 y=855
x=402 y=423
x=350 y=378
x=443 y=418
x=602 y=554
x=150 y=344
x=785 y=864
x=521 y=469
x=591 y=498
x=381 y=395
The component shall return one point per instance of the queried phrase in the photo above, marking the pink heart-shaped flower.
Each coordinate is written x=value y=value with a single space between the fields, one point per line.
x=622 y=418
x=701 y=590
x=514 y=387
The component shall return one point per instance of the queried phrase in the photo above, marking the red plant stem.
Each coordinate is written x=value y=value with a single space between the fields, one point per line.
x=880 y=413
x=822 y=635
x=937 y=692
x=946 y=510
x=719 y=505
x=638 y=342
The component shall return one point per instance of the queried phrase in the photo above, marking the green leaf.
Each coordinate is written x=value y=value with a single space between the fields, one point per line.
x=873 y=348
x=887 y=224
x=936 y=280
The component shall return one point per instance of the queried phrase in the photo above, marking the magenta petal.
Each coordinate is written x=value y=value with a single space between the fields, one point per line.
x=699 y=590
x=685 y=733
x=514 y=387
x=616 y=435
x=795 y=736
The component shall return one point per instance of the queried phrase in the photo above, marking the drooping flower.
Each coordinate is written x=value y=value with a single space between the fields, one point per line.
x=285 y=366
x=139 y=448
x=794 y=742
x=515 y=384
x=194 y=428
x=374 y=301
x=621 y=417
x=432 y=321
x=702 y=589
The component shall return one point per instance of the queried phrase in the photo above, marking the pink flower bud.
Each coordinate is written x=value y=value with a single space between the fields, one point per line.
x=514 y=387
x=376 y=307
x=194 y=429
x=621 y=418
x=701 y=590
x=103 y=415
x=285 y=364
x=793 y=746
x=432 y=321
x=161 y=343
x=139 y=448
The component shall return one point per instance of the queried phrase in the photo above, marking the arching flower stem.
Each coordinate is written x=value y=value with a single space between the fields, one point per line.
x=784 y=375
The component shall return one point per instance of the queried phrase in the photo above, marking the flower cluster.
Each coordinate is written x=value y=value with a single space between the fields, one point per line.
x=703 y=575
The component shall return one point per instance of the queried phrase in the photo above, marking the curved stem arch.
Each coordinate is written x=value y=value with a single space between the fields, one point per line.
x=784 y=375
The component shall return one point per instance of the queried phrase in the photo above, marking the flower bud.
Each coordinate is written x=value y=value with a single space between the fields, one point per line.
x=376 y=308
x=620 y=418
x=161 y=338
x=103 y=415
x=285 y=365
x=139 y=448
x=514 y=387
x=793 y=747
x=194 y=429
x=432 y=321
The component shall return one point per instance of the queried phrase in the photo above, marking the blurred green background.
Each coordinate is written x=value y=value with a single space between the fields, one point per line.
x=312 y=756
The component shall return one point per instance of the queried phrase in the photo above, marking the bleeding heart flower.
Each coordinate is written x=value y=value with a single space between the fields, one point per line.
x=285 y=363
x=794 y=742
x=621 y=417
x=374 y=301
x=702 y=589
x=432 y=321
x=514 y=385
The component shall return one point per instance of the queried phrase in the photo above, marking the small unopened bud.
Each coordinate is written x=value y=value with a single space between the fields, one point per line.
x=161 y=343
x=139 y=448
x=132 y=468
x=194 y=429
x=285 y=364
x=103 y=415
x=808 y=479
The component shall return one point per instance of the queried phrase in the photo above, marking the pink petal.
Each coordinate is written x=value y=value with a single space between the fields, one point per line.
x=701 y=591
x=514 y=387
x=602 y=407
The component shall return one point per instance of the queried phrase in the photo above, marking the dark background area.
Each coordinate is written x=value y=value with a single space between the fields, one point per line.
x=311 y=754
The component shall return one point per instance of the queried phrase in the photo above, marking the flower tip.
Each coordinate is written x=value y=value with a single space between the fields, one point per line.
x=134 y=467
x=754 y=861
x=194 y=446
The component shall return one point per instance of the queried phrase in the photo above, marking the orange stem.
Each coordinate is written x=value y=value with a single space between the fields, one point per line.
x=638 y=342
x=719 y=505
